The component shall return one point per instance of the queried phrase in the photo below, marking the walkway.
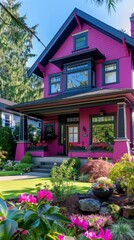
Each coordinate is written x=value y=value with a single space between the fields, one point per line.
x=24 y=176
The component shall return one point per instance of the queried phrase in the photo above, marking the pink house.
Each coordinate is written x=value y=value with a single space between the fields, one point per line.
x=87 y=109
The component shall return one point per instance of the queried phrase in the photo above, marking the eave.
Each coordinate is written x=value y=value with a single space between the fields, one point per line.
x=68 y=27
x=41 y=108
x=94 y=53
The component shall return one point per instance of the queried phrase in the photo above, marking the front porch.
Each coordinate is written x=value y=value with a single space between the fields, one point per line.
x=100 y=117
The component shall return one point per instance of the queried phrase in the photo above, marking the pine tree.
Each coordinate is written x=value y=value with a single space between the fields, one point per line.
x=15 y=50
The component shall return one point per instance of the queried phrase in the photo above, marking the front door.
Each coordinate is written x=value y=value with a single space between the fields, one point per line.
x=72 y=135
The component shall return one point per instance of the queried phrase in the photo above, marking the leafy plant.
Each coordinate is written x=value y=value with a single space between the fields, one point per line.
x=60 y=176
x=96 y=169
x=7 y=142
x=3 y=155
x=76 y=162
x=124 y=171
x=122 y=231
x=114 y=210
x=23 y=167
x=27 y=158
x=31 y=219
x=103 y=183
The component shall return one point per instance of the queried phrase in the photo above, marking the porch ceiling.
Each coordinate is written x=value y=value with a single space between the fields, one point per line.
x=71 y=103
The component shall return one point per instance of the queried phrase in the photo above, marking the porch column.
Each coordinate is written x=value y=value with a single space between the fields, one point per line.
x=23 y=138
x=121 y=143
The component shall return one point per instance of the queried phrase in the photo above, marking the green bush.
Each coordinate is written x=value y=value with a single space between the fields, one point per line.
x=122 y=231
x=27 y=158
x=76 y=162
x=114 y=210
x=7 y=142
x=124 y=172
x=23 y=167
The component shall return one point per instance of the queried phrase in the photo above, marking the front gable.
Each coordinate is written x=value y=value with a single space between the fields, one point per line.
x=76 y=19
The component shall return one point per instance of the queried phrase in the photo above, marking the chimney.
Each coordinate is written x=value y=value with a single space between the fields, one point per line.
x=132 y=25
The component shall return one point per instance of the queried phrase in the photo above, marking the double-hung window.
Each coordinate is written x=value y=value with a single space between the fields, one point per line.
x=80 y=41
x=111 y=72
x=54 y=83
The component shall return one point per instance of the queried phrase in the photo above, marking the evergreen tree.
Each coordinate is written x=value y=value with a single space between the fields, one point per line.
x=15 y=50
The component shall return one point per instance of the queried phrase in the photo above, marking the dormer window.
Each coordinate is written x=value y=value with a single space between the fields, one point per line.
x=80 y=41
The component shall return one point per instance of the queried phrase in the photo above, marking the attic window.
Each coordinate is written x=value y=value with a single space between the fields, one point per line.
x=80 y=41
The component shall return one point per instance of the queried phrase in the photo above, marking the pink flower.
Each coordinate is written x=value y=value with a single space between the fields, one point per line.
x=90 y=235
x=81 y=223
x=47 y=195
x=60 y=237
x=27 y=198
x=105 y=235
x=25 y=232
x=2 y=218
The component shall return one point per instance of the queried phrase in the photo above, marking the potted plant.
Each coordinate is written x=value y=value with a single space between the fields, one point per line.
x=103 y=187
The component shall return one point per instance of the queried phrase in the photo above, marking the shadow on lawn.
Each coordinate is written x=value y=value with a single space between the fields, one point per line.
x=13 y=194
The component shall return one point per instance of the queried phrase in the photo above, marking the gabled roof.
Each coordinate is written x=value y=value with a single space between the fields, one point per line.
x=68 y=27
x=5 y=103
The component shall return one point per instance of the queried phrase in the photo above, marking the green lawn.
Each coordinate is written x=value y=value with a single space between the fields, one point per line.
x=13 y=188
x=10 y=173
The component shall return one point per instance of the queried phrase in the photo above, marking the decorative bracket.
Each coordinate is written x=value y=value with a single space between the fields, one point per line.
x=77 y=20
x=42 y=69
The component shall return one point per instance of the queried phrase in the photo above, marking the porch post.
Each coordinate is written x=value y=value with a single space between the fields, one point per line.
x=23 y=138
x=121 y=143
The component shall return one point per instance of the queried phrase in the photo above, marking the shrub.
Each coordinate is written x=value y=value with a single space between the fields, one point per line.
x=76 y=162
x=7 y=142
x=114 y=210
x=124 y=171
x=27 y=158
x=96 y=169
x=122 y=232
x=23 y=167
x=3 y=155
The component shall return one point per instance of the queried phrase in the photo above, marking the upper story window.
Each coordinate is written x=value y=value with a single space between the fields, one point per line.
x=79 y=75
x=111 y=72
x=55 y=83
x=80 y=41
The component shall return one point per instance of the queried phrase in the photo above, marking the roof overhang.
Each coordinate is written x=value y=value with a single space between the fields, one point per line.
x=63 y=105
x=94 y=53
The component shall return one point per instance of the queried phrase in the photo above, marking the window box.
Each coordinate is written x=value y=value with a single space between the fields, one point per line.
x=101 y=147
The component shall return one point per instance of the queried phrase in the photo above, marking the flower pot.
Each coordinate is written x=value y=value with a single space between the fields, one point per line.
x=103 y=194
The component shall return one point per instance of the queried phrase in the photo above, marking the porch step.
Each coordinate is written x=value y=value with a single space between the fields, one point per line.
x=45 y=164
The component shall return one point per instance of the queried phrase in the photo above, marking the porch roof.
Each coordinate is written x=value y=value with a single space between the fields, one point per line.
x=73 y=101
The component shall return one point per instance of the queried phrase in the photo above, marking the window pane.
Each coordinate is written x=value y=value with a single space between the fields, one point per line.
x=70 y=129
x=75 y=138
x=80 y=42
x=110 y=77
x=55 y=79
x=77 y=79
x=77 y=66
x=103 y=129
x=71 y=139
x=55 y=88
x=75 y=129
x=110 y=67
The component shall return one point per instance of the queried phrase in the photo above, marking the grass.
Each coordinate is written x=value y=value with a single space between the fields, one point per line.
x=10 y=173
x=11 y=189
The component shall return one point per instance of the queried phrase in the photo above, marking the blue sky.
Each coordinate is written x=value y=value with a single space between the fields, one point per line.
x=51 y=14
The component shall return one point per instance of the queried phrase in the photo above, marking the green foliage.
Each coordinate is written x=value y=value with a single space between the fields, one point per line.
x=124 y=172
x=60 y=176
x=122 y=231
x=7 y=142
x=3 y=155
x=27 y=158
x=76 y=162
x=38 y=220
x=114 y=210
x=23 y=167
x=15 y=51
